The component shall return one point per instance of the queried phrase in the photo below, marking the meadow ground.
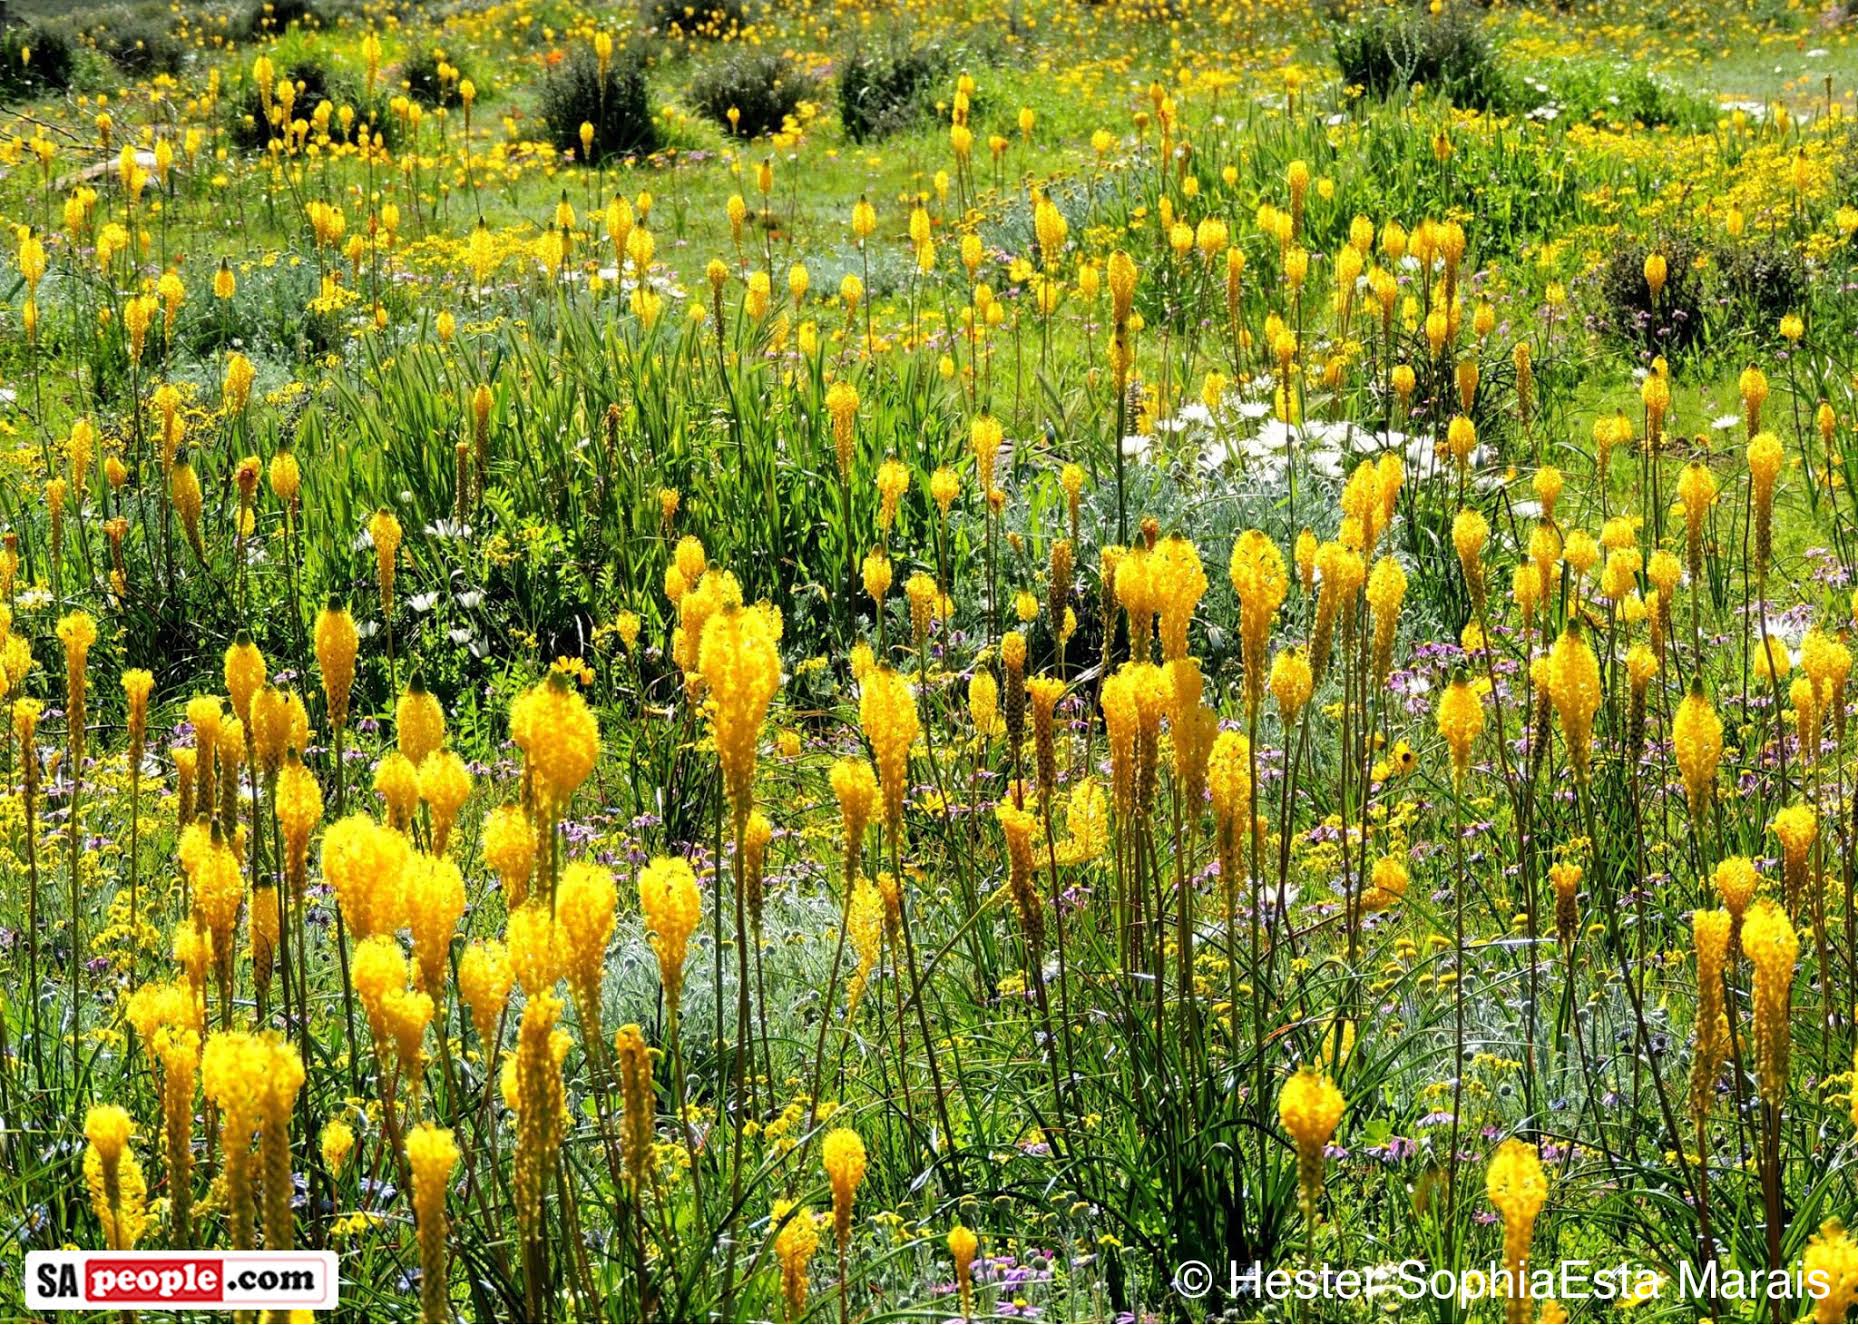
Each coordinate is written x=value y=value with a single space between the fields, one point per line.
x=839 y=661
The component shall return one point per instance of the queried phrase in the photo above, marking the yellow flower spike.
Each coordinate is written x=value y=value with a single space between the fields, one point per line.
x=217 y=889
x=509 y=845
x=444 y=785
x=887 y=713
x=1461 y=440
x=854 y=783
x=842 y=1155
x=1769 y=940
x=1772 y=660
x=1259 y=580
x=1574 y=689
x=671 y=906
x=1043 y=694
x=419 y=721
x=876 y=573
x=384 y=532
x=1696 y=488
x=1735 y=880
x=1387 y=884
x=233 y=1070
x=1019 y=826
x=396 y=781
x=985 y=435
x=1764 y=467
x=1581 y=552
x=1752 y=385
x=1386 y=591
x=283 y=1078
x=1697 y=743
x=1291 y=684
x=1795 y=827
x=796 y=1242
x=983 y=702
x=244 y=674
x=1305 y=554
x=864 y=929
x=1460 y=722
x=1518 y=1188
x=118 y=1193
x=435 y=902
x=432 y=1156
x=560 y=739
x=1179 y=582
x=1308 y=1108
x=533 y=1091
x=893 y=480
x=923 y=596
x=1565 y=877
x=1342 y=572
x=337 y=642
x=485 y=977
x=964 y=1248
x=741 y=665
x=1832 y=1256
x=337 y=1144
x=1470 y=534
x=364 y=864
x=585 y=904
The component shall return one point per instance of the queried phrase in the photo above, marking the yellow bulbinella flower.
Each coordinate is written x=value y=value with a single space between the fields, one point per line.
x=1308 y=1108
x=671 y=906
x=1259 y=579
x=560 y=738
x=1769 y=940
x=1697 y=743
x=1518 y=1188
x=1460 y=720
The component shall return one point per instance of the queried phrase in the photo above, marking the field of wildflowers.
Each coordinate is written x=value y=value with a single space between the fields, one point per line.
x=771 y=659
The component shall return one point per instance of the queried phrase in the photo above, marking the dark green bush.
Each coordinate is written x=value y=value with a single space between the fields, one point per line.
x=764 y=88
x=1392 y=49
x=267 y=18
x=420 y=73
x=316 y=81
x=37 y=58
x=1768 y=281
x=713 y=19
x=880 y=93
x=617 y=104
x=139 y=45
x=1677 y=322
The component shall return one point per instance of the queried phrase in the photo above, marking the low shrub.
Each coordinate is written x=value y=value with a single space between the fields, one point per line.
x=315 y=79
x=37 y=58
x=1768 y=281
x=763 y=88
x=1675 y=321
x=880 y=93
x=267 y=18
x=708 y=19
x=138 y=45
x=1393 y=49
x=424 y=83
x=615 y=101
